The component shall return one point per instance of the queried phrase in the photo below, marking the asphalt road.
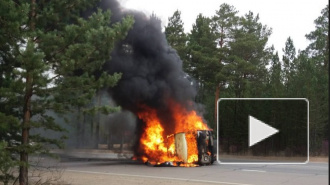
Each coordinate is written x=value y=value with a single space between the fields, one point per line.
x=132 y=172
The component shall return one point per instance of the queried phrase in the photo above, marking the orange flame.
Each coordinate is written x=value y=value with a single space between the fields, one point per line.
x=158 y=148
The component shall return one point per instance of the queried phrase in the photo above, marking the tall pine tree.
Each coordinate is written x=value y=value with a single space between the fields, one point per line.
x=223 y=23
x=289 y=63
x=176 y=37
x=202 y=51
x=203 y=60
x=50 y=53
x=245 y=66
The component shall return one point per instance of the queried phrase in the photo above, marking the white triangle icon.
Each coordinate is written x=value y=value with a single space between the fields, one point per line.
x=259 y=131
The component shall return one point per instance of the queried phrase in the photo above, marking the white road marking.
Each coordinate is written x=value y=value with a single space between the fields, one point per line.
x=306 y=166
x=157 y=177
x=247 y=170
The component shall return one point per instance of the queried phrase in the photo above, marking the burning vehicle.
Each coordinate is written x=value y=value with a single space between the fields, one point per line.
x=206 y=153
x=191 y=145
x=205 y=147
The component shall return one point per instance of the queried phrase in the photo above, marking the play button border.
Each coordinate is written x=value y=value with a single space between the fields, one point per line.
x=263 y=163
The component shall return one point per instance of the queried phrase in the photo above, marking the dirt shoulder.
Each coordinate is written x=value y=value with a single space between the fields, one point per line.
x=319 y=159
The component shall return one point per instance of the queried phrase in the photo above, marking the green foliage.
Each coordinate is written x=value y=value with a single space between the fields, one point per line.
x=50 y=58
x=224 y=22
x=312 y=80
x=289 y=63
x=245 y=66
x=319 y=47
x=202 y=51
x=7 y=164
x=176 y=36
x=9 y=125
x=275 y=83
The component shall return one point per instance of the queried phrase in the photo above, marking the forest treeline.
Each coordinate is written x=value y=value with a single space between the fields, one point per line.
x=229 y=57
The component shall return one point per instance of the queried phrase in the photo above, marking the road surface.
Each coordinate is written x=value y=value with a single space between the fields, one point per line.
x=132 y=172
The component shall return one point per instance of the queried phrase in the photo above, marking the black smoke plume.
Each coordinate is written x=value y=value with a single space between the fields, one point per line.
x=152 y=70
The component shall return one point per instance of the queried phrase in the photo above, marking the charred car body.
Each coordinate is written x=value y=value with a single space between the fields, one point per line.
x=206 y=148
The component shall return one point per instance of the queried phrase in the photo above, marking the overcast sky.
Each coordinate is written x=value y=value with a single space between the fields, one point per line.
x=293 y=18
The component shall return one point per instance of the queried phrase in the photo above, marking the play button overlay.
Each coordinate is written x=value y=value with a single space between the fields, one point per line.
x=263 y=131
x=259 y=131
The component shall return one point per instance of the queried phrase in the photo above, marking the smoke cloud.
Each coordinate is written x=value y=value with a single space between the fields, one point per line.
x=152 y=70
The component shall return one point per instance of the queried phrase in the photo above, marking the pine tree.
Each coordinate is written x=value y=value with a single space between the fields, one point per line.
x=50 y=53
x=313 y=80
x=311 y=83
x=319 y=48
x=204 y=63
x=202 y=51
x=176 y=36
x=276 y=88
x=245 y=66
x=223 y=23
x=289 y=63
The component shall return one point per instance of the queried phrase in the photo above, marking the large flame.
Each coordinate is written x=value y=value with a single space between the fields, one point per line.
x=157 y=145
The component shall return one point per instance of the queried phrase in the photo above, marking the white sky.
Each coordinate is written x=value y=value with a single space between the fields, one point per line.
x=293 y=18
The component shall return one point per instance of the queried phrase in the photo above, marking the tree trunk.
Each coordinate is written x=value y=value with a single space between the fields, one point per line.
x=79 y=136
x=97 y=126
x=23 y=170
x=83 y=134
x=217 y=93
x=122 y=141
